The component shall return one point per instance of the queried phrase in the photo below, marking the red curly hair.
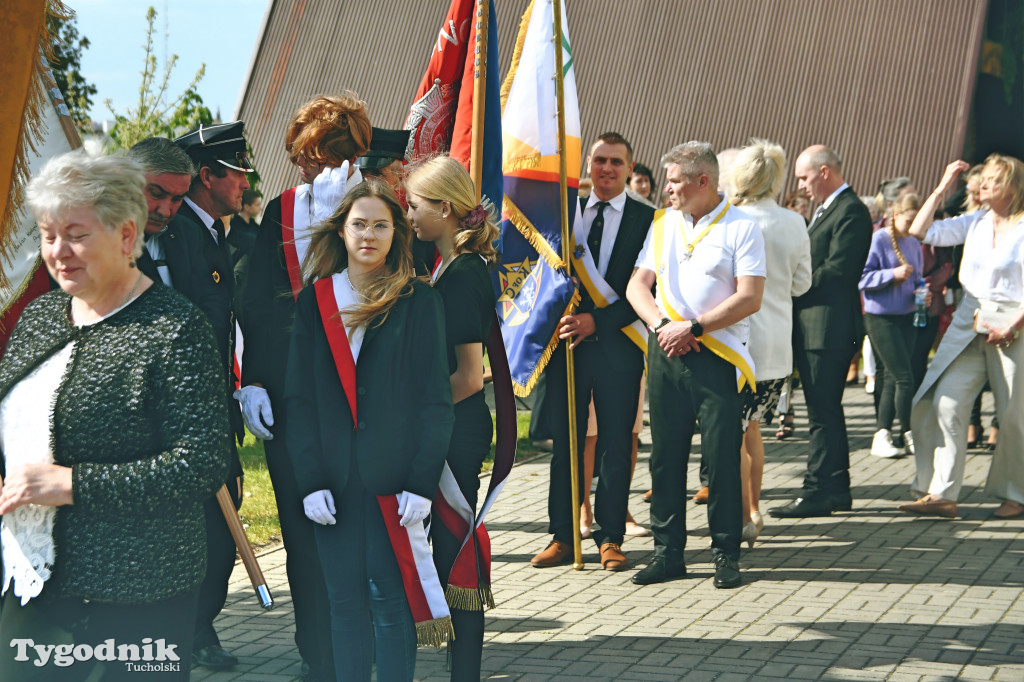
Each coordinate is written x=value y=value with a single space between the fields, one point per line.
x=329 y=129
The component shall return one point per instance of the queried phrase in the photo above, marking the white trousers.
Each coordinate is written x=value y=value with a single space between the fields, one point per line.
x=940 y=417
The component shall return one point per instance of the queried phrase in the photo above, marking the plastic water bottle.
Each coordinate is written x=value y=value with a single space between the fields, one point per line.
x=921 y=304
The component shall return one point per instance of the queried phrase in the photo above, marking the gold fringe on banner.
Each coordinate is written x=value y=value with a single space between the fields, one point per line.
x=536 y=239
x=517 y=54
x=435 y=632
x=469 y=598
x=524 y=390
x=528 y=162
x=22 y=129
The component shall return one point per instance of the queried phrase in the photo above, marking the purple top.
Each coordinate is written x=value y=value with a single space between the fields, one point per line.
x=882 y=294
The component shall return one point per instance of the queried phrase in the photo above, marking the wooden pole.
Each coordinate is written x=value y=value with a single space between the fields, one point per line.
x=574 y=466
x=476 y=163
x=252 y=567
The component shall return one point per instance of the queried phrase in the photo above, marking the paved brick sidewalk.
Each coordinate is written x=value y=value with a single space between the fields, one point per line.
x=868 y=595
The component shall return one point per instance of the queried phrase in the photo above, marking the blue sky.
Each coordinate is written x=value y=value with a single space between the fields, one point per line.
x=219 y=33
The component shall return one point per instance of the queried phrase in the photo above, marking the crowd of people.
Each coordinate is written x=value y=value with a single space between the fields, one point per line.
x=365 y=300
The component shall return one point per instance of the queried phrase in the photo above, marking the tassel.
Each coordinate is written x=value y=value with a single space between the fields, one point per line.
x=435 y=632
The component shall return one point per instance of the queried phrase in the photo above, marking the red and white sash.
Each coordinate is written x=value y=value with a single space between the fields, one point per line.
x=292 y=220
x=469 y=583
x=412 y=549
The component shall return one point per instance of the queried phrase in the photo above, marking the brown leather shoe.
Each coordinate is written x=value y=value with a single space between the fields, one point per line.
x=930 y=505
x=702 y=496
x=1009 y=509
x=612 y=558
x=647 y=496
x=555 y=554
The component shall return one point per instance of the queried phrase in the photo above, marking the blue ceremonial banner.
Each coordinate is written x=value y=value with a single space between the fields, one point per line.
x=534 y=289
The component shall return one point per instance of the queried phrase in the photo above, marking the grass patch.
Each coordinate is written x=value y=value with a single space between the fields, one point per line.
x=259 y=508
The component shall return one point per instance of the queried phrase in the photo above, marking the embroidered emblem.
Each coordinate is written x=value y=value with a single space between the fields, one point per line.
x=578 y=253
x=429 y=117
x=520 y=285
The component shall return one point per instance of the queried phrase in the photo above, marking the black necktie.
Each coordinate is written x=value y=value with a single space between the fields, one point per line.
x=596 y=232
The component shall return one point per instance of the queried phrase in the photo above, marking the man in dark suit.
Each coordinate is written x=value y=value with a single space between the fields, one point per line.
x=827 y=329
x=219 y=155
x=610 y=232
x=173 y=253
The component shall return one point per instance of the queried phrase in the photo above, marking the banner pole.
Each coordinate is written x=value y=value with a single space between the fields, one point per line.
x=574 y=466
x=476 y=163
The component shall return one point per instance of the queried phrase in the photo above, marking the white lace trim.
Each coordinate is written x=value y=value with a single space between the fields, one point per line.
x=26 y=534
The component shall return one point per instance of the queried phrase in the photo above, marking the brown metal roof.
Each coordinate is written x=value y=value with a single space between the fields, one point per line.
x=887 y=84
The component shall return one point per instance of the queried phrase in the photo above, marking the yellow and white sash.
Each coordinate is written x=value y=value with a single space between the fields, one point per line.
x=584 y=266
x=723 y=343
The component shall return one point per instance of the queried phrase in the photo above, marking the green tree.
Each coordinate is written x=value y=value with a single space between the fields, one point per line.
x=157 y=114
x=66 y=62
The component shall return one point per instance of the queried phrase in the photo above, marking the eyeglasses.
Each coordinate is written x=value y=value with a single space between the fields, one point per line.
x=359 y=228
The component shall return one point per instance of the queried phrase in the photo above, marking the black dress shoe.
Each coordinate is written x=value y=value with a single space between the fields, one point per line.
x=842 y=503
x=214 y=657
x=727 y=572
x=658 y=571
x=802 y=508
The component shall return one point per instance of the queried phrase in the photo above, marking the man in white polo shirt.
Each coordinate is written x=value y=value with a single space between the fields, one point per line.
x=707 y=258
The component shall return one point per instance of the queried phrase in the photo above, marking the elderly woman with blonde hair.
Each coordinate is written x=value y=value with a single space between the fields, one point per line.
x=114 y=431
x=756 y=179
x=980 y=344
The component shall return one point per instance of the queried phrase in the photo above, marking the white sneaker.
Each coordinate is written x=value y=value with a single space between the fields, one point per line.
x=869 y=385
x=881 y=445
x=908 y=438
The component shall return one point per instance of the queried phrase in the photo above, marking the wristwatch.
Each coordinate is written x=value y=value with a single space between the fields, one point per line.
x=696 y=328
x=661 y=323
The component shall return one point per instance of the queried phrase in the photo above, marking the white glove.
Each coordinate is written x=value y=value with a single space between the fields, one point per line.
x=413 y=508
x=330 y=187
x=319 y=507
x=256 y=410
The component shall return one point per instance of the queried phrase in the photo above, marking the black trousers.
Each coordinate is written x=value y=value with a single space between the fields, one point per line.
x=471 y=440
x=220 y=561
x=698 y=385
x=892 y=340
x=71 y=622
x=615 y=385
x=823 y=375
x=305 y=578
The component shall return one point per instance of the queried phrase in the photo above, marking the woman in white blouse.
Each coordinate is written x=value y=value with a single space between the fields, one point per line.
x=980 y=345
x=756 y=177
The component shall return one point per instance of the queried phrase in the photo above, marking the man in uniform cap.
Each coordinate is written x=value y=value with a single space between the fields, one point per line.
x=386 y=160
x=386 y=157
x=218 y=153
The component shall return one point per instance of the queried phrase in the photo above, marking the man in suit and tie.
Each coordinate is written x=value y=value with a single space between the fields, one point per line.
x=218 y=153
x=609 y=233
x=827 y=328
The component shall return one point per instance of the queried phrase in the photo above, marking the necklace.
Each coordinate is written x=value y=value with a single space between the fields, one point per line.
x=691 y=245
x=127 y=298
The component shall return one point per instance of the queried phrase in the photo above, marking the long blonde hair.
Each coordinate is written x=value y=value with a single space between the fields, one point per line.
x=442 y=178
x=327 y=255
x=1009 y=171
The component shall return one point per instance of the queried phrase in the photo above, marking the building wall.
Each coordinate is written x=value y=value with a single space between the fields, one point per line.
x=887 y=84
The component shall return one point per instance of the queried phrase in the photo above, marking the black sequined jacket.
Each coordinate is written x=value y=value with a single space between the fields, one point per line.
x=140 y=417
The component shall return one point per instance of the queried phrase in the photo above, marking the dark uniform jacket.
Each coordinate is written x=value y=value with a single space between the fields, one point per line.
x=404 y=411
x=219 y=271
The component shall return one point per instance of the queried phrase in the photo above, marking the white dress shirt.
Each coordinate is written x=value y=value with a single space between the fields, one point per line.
x=612 y=220
x=205 y=217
